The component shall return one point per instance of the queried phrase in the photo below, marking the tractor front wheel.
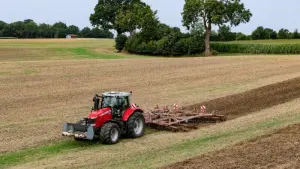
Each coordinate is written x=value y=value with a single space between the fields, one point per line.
x=136 y=125
x=110 y=133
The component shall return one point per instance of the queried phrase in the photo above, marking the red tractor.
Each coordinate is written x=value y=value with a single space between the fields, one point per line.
x=111 y=117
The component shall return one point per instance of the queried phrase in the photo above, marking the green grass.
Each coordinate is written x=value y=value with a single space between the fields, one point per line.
x=8 y=38
x=4 y=73
x=31 y=71
x=53 y=49
x=42 y=152
x=81 y=52
x=235 y=54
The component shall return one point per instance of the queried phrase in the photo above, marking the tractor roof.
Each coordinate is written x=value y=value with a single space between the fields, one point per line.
x=116 y=94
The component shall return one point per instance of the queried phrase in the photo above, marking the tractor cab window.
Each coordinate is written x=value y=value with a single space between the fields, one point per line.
x=124 y=102
x=109 y=101
x=114 y=102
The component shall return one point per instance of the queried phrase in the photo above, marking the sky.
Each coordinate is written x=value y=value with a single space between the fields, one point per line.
x=275 y=14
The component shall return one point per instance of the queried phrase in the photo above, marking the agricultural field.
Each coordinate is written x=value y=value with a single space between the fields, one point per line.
x=279 y=47
x=49 y=49
x=268 y=41
x=277 y=150
x=44 y=83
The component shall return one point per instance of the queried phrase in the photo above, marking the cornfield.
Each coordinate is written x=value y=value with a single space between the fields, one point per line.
x=257 y=48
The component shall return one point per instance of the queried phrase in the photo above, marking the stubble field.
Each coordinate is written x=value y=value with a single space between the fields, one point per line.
x=277 y=150
x=39 y=94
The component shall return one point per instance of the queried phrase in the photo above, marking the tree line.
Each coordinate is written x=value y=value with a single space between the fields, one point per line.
x=30 y=29
x=147 y=35
x=260 y=33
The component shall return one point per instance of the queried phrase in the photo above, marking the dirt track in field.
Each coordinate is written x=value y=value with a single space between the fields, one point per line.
x=38 y=97
x=278 y=150
x=241 y=104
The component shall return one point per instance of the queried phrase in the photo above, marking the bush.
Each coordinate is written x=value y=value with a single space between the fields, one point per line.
x=215 y=53
x=120 y=42
x=241 y=37
x=257 y=48
x=174 y=44
x=166 y=41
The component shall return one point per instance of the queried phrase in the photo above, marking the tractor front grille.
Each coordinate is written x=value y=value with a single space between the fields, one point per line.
x=91 y=121
x=80 y=128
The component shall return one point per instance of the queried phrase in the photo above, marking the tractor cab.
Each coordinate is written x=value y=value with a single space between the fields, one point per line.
x=117 y=101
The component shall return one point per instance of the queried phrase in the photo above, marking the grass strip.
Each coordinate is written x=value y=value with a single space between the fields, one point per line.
x=194 y=147
x=42 y=152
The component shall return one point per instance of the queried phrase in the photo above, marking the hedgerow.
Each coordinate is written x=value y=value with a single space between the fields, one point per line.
x=171 y=43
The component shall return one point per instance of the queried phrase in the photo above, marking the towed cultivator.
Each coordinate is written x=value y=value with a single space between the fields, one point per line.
x=114 y=116
x=180 y=119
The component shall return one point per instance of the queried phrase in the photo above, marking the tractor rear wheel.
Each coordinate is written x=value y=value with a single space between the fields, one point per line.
x=136 y=125
x=110 y=133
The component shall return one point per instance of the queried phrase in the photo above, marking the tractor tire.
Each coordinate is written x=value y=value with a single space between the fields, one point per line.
x=136 y=125
x=110 y=133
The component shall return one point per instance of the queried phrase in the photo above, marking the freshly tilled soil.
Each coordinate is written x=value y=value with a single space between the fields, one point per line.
x=241 y=104
x=278 y=150
x=237 y=105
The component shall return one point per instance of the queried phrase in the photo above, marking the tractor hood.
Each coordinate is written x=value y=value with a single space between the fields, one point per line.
x=100 y=112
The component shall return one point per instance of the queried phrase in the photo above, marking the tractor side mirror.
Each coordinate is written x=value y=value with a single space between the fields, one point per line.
x=118 y=101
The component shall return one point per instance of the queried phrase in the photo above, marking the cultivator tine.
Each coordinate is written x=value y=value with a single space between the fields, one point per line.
x=180 y=119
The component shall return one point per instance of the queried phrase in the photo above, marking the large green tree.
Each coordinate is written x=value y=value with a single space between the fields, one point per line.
x=31 y=29
x=100 y=33
x=46 y=31
x=61 y=30
x=15 y=29
x=263 y=33
x=2 y=24
x=296 y=34
x=283 y=34
x=270 y=33
x=86 y=32
x=137 y=16
x=106 y=11
x=72 y=29
x=214 y=12
x=259 y=33
x=197 y=28
x=225 y=33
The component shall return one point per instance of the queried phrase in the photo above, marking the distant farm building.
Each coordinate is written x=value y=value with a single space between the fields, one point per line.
x=71 y=36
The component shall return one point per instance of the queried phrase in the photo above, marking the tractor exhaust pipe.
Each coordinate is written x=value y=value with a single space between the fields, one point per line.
x=96 y=101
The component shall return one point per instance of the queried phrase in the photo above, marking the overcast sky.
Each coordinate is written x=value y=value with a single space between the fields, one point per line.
x=274 y=14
